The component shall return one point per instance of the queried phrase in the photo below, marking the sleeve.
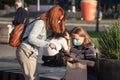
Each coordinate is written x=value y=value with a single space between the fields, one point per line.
x=64 y=43
x=37 y=35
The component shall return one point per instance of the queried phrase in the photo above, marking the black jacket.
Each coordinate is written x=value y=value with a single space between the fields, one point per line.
x=20 y=16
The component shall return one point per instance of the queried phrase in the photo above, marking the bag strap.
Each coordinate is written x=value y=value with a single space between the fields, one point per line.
x=24 y=21
x=34 y=21
x=26 y=27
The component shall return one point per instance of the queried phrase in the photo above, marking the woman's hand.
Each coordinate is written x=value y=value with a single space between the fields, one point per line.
x=71 y=58
x=52 y=46
x=67 y=36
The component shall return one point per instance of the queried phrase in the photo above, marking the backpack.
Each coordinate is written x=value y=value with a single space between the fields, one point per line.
x=17 y=34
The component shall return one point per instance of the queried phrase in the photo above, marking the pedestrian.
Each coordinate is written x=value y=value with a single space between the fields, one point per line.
x=62 y=3
x=26 y=53
x=83 y=49
x=21 y=15
x=57 y=56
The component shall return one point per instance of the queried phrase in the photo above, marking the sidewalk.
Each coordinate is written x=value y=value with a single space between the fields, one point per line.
x=45 y=73
x=10 y=67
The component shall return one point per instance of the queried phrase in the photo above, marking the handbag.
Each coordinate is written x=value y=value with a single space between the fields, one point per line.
x=76 y=71
x=61 y=58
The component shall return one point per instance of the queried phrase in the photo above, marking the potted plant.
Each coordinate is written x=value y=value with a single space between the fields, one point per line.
x=109 y=63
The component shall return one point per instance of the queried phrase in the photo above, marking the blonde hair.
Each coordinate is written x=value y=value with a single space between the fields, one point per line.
x=18 y=3
x=81 y=32
x=52 y=16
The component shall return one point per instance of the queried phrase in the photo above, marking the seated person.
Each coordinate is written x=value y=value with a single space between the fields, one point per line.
x=83 y=49
x=55 y=56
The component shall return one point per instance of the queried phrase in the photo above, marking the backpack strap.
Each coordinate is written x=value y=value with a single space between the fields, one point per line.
x=22 y=39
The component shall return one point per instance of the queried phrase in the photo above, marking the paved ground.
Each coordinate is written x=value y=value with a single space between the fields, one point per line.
x=9 y=63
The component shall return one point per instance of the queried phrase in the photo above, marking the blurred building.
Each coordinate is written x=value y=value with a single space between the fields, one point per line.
x=110 y=8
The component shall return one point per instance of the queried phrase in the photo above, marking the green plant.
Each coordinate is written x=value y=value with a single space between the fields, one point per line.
x=109 y=42
x=95 y=35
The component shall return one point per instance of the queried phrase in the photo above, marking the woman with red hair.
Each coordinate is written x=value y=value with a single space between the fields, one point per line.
x=27 y=52
x=54 y=19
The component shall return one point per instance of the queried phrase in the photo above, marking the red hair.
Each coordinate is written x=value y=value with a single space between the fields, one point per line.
x=52 y=17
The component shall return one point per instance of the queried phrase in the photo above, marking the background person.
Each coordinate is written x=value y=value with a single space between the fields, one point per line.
x=21 y=15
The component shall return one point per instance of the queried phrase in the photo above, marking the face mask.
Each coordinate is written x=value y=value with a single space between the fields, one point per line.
x=76 y=42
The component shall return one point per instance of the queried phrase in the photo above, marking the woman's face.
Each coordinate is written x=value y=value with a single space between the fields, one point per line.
x=77 y=37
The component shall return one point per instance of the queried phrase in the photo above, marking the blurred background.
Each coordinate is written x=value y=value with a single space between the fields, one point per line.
x=109 y=9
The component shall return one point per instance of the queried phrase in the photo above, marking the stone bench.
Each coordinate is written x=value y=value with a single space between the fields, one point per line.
x=5 y=30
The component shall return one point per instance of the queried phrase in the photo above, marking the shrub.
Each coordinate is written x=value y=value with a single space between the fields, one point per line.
x=109 y=42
